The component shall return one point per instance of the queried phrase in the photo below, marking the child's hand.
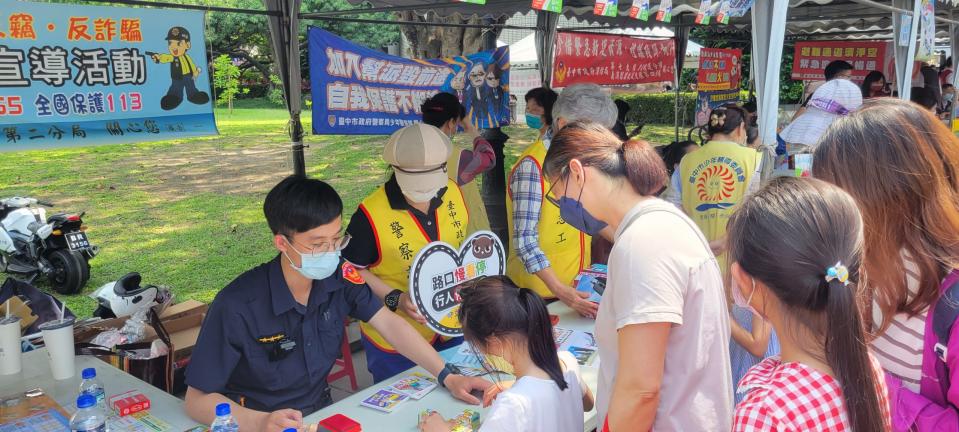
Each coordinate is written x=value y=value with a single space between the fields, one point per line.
x=494 y=390
x=435 y=423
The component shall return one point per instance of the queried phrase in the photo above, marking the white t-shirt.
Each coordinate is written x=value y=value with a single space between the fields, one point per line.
x=662 y=270
x=536 y=404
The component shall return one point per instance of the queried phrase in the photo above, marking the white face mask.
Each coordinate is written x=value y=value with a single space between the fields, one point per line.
x=421 y=196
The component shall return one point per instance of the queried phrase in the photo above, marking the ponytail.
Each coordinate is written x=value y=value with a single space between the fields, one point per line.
x=539 y=336
x=725 y=120
x=813 y=225
x=852 y=366
x=594 y=145
x=494 y=306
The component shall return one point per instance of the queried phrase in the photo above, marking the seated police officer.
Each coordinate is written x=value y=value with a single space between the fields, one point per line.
x=271 y=336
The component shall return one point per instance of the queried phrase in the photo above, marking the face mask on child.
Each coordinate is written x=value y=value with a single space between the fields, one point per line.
x=744 y=302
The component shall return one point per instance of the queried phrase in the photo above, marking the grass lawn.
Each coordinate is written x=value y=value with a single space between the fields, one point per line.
x=188 y=213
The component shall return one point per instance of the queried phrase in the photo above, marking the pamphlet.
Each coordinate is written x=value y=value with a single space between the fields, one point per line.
x=415 y=385
x=384 y=400
x=584 y=355
x=592 y=281
x=49 y=420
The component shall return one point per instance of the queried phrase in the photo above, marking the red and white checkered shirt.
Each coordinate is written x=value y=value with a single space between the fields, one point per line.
x=795 y=397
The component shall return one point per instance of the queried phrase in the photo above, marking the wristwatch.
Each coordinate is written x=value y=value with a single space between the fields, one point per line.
x=447 y=370
x=392 y=300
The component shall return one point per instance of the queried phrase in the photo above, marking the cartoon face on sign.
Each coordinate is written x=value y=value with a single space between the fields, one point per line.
x=439 y=270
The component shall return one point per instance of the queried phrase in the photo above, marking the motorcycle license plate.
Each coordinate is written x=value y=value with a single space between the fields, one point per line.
x=77 y=241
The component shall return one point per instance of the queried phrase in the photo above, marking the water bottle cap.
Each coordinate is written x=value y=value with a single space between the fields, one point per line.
x=222 y=409
x=290 y=430
x=86 y=401
x=89 y=373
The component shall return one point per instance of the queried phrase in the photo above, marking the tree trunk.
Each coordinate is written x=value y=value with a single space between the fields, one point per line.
x=431 y=41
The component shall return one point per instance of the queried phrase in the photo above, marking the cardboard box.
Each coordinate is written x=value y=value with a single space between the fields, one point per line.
x=179 y=310
x=183 y=334
x=130 y=402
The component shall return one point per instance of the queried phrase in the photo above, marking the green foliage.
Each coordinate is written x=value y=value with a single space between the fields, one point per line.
x=226 y=80
x=275 y=95
x=658 y=107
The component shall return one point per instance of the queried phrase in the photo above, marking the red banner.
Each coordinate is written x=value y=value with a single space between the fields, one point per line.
x=719 y=69
x=612 y=60
x=812 y=57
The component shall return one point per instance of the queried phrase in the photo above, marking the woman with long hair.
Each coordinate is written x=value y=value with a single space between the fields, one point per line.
x=901 y=165
x=795 y=248
x=662 y=325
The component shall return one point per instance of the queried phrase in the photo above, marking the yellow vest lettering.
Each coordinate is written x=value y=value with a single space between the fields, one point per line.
x=566 y=247
x=399 y=237
x=479 y=221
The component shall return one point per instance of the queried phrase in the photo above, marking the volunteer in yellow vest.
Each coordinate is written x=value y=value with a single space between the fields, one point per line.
x=419 y=204
x=548 y=252
x=445 y=111
x=719 y=175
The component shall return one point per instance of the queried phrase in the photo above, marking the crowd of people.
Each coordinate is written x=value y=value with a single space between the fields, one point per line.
x=734 y=301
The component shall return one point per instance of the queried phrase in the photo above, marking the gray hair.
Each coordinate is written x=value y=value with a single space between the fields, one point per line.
x=585 y=102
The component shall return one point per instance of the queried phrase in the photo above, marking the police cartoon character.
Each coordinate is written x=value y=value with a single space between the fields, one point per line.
x=183 y=71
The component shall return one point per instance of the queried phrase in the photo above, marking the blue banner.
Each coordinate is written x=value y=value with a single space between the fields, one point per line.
x=83 y=75
x=360 y=91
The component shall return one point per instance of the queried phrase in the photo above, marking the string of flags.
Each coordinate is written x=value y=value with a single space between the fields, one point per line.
x=720 y=10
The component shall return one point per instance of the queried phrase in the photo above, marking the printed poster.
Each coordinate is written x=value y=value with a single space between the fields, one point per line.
x=719 y=69
x=73 y=75
x=612 y=60
x=707 y=101
x=665 y=13
x=811 y=57
x=702 y=17
x=927 y=31
x=361 y=91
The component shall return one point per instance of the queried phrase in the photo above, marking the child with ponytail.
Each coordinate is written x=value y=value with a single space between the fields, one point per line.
x=502 y=320
x=796 y=247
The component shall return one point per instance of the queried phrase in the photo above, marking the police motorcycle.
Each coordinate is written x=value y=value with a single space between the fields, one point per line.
x=33 y=245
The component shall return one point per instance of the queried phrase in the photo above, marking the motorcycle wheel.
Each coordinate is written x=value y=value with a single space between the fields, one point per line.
x=70 y=271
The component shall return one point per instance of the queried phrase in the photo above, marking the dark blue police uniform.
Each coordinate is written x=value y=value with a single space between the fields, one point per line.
x=265 y=351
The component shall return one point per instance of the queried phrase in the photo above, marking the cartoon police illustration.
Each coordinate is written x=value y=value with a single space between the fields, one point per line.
x=183 y=71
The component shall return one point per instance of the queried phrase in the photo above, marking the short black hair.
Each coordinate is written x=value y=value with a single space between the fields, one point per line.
x=299 y=204
x=835 y=67
x=622 y=109
x=441 y=108
x=947 y=86
x=924 y=96
x=545 y=98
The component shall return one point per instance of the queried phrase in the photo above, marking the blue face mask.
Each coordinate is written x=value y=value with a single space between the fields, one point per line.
x=573 y=212
x=315 y=266
x=534 y=121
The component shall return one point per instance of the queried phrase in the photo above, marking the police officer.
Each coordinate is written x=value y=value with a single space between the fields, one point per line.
x=271 y=336
x=183 y=71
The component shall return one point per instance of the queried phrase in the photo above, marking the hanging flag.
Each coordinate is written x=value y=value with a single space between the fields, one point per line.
x=482 y=2
x=737 y=8
x=723 y=16
x=608 y=8
x=665 y=13
x=548 y=5
x=927 y=31
x=640 y=10
x=702 y=17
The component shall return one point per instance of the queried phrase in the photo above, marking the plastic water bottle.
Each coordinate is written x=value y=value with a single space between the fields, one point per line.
x=93 y=387
x=89 y=417
x=224 y=420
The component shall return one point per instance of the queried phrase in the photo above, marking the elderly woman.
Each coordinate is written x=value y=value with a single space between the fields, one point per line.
x=549 y=253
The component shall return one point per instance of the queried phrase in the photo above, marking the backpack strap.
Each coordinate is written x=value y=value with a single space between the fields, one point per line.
x=945 y=314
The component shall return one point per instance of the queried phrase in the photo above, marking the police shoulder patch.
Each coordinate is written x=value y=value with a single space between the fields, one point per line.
x=351 y=274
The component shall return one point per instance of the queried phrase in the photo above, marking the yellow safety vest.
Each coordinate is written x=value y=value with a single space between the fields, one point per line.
x=399 y=237
x=715 y=179
x=479 y=221
x=566 y=247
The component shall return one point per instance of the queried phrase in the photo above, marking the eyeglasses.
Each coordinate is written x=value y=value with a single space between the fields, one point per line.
x=549 y=192
x=335 y=245
x=477 y=75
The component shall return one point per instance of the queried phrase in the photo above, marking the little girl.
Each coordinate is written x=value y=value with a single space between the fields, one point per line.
x=795 y=248
x=502 y=320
